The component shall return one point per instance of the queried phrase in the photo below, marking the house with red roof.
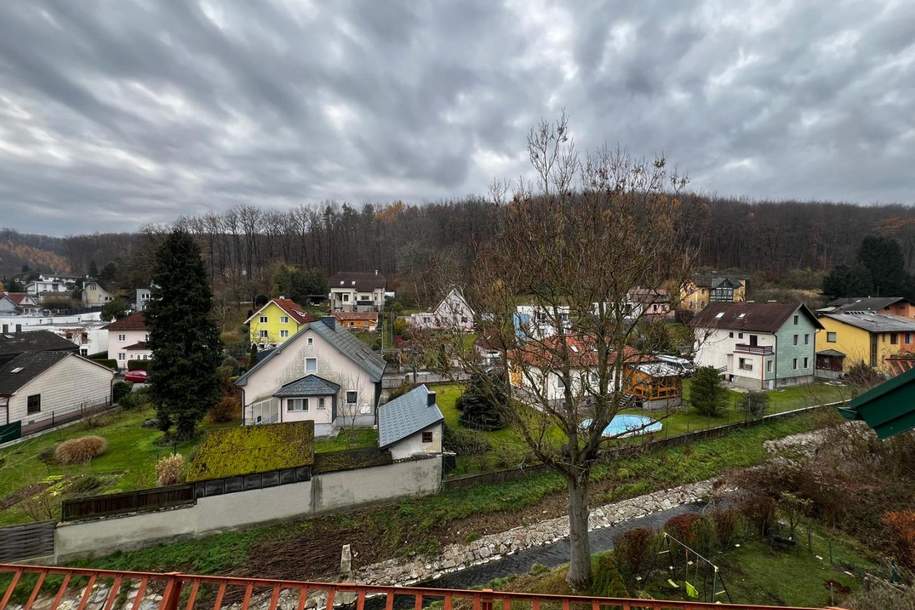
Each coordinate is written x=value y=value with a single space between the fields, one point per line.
x=275 y=322
x=127 y=340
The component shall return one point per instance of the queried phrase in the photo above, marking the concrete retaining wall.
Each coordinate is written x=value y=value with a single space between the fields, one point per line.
x=324 y=493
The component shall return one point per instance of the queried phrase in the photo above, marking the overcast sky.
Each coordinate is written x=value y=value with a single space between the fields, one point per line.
x=115 y=114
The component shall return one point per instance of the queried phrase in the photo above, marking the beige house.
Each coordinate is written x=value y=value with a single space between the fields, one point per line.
x=127 y=340
x=323 y=374
x=96 y=295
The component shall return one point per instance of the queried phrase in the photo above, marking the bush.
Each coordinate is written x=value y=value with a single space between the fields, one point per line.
x=248 y=449
x=633 y=550
x=901 y=526
x=706 y=394
x=137 y=365
x=482 y=406
x=464 y=442
x=726 y=522
x=138 y=399
x=683 y=528
x=227 y=409
x=80 y=450
x=120 y=390
x=107 y=362
x=756 y=404
x=607 y=581
x=170 y=470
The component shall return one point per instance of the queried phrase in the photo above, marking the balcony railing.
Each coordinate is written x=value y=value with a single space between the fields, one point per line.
x=30 y=586
x=760 y=350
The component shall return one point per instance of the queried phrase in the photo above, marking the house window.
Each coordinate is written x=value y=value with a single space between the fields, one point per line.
x=284 y=319
x=284 y=333
x=768 y=366
x=794 y=363
x=795 y=339
x=321 y=403
x=745 y=364
x=297 y=404
x=263 y=319
x=34 y=404
x=122 y=356
x=427 y=436
x=740 y=335
x=796 y=319
x=122 y=337
x=311 y=340
x=731 y=335
x=262 y=334
x=345 y=298
x=908 y=338
x=352 y=397
x=893 y=338
x=806 y=339
x=311 y=365
x=805 y=363
x=830 y=337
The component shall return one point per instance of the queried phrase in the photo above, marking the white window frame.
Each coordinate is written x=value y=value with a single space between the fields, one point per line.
x=122 y=356
x=321 y=405
x=297 y=405
x=263 y=319
x=831 y=336
x=262 y=334
x=313 y=369
x=284 y=333
x=355 y=400
x=284 y=319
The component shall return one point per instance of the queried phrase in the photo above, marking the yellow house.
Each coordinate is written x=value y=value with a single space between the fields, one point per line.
x=704 y=289
x=276 y=321
x=865 y=337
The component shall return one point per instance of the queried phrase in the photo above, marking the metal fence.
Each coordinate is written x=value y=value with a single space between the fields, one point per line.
x=145 y=500
x=48 y=587
x=58 y=418
x=19 y=542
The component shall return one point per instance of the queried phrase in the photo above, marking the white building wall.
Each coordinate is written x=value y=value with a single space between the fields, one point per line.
x=289 y=365
x=119 y=340
x=314 y=413
x=63 y=388
x=717 y=348
x=413 y=445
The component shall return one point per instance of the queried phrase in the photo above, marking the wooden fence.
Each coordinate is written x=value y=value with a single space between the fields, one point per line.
x=19 y=542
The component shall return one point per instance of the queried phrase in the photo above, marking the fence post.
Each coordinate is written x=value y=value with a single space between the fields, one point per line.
x=172 y=593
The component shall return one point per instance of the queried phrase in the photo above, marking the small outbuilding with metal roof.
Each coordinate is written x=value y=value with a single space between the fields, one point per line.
x=411 y=424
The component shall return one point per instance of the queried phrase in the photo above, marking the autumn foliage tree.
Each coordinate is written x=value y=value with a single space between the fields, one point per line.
x=572 y=244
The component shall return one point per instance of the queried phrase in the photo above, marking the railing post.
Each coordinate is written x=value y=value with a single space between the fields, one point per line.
x=172 y=592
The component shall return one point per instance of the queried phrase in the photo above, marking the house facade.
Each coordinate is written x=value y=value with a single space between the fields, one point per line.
x=141 y=298
x=95 y=295
x=757 y=346
x=537 y=322
x=704 y=289
x=357 y=291
x=649 y=303
x=35 y=386
x=16 y=303
x=452 y=313
x=275 y=388
x=276 y=321
x=360 y=321
x=128 y=340
x=50 y=284
x=873 y=339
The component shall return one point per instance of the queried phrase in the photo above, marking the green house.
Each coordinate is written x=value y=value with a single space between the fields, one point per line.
x=888 y=408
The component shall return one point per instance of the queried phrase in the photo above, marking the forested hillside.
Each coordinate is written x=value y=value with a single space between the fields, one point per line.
x=417 y=243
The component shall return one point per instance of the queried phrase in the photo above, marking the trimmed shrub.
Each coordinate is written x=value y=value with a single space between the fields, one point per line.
x=170 y=469
x=137 y=365
x=120 y=390
x=80 y=450
x=227 y=409
x=249 y=449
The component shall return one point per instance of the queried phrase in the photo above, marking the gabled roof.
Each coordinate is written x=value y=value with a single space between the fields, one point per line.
x=834 y=353
x=15 y=297
x=353 y=316
x=27 y=366
x=293 y=309
x=459 y=295
x=712 y=281
x=345 y=342
x=749 y=316
x=875 y=304
x=648 y=296
x=309 y=385
x=34 y=341
x=874 y=322
x=357 y=280
x=135 y=321
x=888 y=408
x=406 y=415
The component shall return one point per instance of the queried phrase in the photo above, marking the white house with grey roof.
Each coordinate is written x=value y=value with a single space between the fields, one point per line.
x=411 y=425
x=323 y=373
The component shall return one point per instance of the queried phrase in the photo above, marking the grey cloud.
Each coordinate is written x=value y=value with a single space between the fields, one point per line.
x=115 y=114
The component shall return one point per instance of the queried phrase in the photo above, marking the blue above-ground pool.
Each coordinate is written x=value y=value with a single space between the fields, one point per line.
x=628 y=425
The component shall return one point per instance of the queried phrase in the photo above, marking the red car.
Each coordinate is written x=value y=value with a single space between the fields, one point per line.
x=135 y=376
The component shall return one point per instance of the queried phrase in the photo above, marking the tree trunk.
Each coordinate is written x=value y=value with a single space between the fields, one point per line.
x=579 y=577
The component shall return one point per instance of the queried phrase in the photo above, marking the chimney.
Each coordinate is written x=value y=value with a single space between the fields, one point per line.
x=430 y=399
x=330 y=321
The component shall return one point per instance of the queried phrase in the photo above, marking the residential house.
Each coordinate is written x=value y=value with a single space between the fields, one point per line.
x=488 y=350
x=7 y=305
x=357 y=291
x=290 y=381
x=411 y=425
x=90 y=337
x=51 y=284
x=538 y=322
x=142 y=297
x=452 y=313
x=896 y=306
x=276 y=321
x=127 y=339
x=878 y=340
x=649 y=303
x=757 y=345
x=96 y=295
x=361 y=321
x=17 y=343
x=17 y=303
x=39 y=385
x=704 y=289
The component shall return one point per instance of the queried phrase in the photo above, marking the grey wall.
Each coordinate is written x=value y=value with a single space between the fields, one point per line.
x=324 y=493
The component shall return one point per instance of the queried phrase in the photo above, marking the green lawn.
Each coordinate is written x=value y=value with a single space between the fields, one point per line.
x=347 y=439
x=508 y=449
x=423 y=525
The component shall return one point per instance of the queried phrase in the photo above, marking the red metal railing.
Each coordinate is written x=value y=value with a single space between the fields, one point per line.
x=29 y=585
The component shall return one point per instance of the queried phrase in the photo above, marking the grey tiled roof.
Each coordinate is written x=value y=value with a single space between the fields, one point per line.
x=863 y=303
x=875 y=322
x=309 y=385
x=29 y=365
x=406 y=415
x=34 y=341
x=347 y=343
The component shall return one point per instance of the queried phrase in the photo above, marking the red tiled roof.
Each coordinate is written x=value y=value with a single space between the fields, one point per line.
x=295 y=311
x=135 y=321
x=15 y=297
x=548 y=354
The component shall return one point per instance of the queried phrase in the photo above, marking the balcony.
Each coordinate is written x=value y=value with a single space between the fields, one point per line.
x=758 y=350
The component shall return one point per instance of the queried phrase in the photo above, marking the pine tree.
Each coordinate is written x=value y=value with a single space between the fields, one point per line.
x=706 y=393
x=482 y=405
x=182 y=336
